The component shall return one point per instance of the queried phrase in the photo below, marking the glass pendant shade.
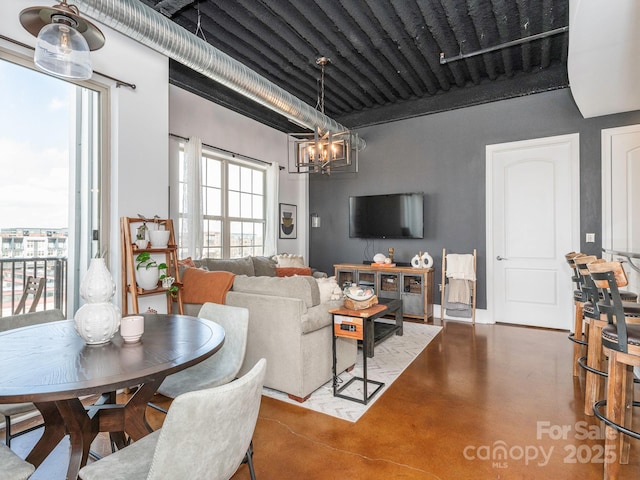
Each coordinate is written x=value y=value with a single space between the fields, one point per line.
x=62 y=51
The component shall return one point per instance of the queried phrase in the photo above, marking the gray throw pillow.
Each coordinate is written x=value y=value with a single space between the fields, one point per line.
x=239 y=266
x=264 y=266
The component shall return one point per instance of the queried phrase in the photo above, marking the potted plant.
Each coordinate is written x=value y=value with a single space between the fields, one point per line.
x=167 y=281
x=147 y=271
x=141 y=236
x=159 y=238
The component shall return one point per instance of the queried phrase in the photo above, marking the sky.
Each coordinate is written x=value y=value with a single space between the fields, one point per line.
x=34 y=154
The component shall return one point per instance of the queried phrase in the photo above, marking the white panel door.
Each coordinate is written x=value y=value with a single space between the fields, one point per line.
x=620 y=200
x=532 y=222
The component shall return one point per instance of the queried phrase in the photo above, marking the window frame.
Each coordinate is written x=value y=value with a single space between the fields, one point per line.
x=85 y=244
x=226 y=220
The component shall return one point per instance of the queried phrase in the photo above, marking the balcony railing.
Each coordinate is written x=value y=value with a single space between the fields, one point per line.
x=16 y=270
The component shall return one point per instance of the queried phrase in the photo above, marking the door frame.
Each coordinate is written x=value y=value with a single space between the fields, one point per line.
x=607 y=138
x=490 y=150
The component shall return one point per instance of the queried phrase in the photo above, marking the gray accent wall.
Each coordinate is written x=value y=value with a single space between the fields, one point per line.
x=443 y=155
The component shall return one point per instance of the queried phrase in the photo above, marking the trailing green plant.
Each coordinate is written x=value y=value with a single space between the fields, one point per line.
x=144 y=260
x=173 y=289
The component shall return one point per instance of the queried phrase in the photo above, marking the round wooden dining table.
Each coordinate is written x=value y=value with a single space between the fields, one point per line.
x=50 y=365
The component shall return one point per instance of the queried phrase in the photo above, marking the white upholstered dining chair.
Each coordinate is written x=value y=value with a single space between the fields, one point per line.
x=220 y=368
x=205 y=436
x=9 y=410
x=12 y=467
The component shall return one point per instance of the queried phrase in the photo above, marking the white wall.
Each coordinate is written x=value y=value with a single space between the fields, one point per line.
x=603 y=67
x=139 y=131
x=139 y=174
x=190 y=115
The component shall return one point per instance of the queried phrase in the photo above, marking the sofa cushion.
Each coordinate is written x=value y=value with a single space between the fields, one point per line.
x=291 y=271
x=292 y=287
x=289 y=260
x=201 y=286
x=239 y=266
x=264 y=266
x=319 y=316
x=184 y=264
x=329 y=289
x=313 y=288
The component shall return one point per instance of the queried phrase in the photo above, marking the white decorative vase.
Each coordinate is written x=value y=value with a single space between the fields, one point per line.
x=97 y=323
x=147 y=278
x=98 y=320
x=422 y=260
x=97 y=285
x=427 y=260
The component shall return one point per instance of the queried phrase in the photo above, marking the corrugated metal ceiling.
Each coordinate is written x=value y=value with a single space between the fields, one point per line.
x=384 y=53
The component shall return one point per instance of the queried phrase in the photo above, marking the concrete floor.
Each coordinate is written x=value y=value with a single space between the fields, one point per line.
x=483 y=402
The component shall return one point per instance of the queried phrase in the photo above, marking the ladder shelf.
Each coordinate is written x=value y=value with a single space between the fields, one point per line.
x=129 y=253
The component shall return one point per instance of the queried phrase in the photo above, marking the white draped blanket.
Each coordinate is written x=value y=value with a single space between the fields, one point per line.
x=460 y=266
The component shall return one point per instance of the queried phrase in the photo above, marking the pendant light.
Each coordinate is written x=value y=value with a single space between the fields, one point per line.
x=64 y=40
x=323 y=152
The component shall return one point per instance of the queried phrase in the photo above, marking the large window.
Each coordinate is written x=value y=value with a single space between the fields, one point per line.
x=54 y=187
x=233 y=207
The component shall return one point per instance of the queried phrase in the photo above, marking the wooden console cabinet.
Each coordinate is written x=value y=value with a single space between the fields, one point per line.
x=414 y=286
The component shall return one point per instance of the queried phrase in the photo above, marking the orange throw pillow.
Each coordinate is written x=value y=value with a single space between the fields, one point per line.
x=291 y=271
x=201 y=286
x=187 y=262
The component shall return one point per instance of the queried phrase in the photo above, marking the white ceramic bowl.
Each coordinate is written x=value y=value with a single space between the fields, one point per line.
x=132 y=338
x=132 y=328
x=358 y=293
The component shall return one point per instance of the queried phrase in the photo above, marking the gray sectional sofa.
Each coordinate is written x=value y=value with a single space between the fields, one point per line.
x=289 y=325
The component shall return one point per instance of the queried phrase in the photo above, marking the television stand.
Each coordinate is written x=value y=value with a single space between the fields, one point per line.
x=412 y=286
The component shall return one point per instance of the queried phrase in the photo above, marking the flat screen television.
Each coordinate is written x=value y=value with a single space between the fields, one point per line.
x=396 y=215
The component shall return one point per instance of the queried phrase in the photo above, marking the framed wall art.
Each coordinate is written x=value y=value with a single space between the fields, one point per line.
x=288 y=221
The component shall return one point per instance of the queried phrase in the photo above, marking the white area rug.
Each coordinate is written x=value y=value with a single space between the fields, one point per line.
x=391 y=358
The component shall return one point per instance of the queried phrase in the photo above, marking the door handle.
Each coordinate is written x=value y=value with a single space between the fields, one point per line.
x=499 y=258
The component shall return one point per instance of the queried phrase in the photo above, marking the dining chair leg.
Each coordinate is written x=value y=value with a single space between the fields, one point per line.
x=627 y=412
x=249 y=459
x=157 y=407
x=594 y=383
x=578 y=336
x=612 y=436
x=7 y=431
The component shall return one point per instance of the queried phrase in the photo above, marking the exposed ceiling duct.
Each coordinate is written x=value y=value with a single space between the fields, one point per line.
x=143 y=24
